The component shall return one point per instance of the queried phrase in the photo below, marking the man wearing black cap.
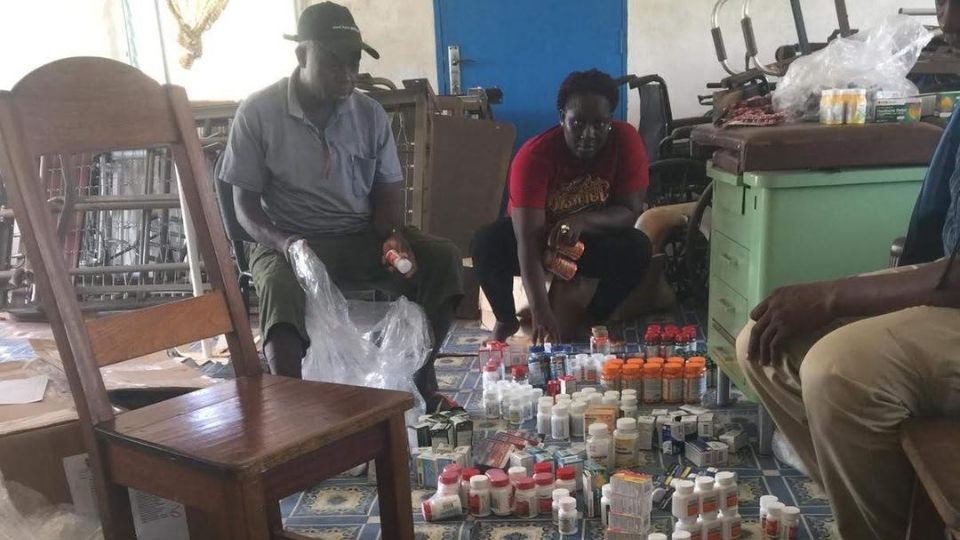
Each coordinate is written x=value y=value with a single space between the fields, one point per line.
x=313 y=159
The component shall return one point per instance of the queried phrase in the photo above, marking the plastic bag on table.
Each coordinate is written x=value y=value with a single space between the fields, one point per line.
x=372 y=344
x=877 y=60
x=45 y=521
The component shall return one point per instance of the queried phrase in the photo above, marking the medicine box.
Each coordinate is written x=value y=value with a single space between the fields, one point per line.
x=645 y=428
x=735 y=438
x=946 y=101
x=898 y=110
x=603 y=414
x=706 y=426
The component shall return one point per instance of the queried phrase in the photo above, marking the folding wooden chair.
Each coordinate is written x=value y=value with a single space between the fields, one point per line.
x=228 y=452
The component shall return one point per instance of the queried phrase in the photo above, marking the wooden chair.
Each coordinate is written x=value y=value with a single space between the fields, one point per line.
x=228 y=452
x=932 y=445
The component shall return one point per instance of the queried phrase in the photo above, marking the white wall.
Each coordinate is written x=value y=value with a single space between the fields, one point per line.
x=35 y=32
x=672 y=38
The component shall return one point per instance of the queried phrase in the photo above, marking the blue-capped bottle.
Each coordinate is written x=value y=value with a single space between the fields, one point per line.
x=558 y=361
x=534 y=368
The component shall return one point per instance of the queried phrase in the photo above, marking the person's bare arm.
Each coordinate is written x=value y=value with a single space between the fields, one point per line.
x=796 y=309
x=529 y=225
x=254 y=220
x=622 y=213
x=388 y=221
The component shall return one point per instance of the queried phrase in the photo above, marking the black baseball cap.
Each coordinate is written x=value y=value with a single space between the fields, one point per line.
x=333 y=26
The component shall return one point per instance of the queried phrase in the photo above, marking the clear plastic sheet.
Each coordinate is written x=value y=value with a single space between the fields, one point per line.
x=44 y=521
x=877 y=59
x=372 y=344
x=784 y=451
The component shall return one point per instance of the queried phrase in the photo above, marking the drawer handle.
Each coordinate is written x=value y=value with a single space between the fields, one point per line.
x=727 y=305
x=732 y=261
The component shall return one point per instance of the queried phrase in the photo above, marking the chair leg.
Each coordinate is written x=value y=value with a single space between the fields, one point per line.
x=202 y=524
x=245 y=517
x=393 y=483
x=113 y=500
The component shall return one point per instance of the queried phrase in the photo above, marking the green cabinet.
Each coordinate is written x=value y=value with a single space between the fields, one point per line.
x=778 y=228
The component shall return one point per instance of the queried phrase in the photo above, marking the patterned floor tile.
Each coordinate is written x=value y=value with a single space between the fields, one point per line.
x=515 y=529
x=332 y=499
x=455 y=362
x=822 y=527
x=806 y=491
x=327 y=532
x=451 y=380
x=437 y=531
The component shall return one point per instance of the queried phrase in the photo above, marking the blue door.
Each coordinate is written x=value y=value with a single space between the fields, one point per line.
x=527 y=47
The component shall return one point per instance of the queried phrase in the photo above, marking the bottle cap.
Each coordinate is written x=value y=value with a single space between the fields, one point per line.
x=568 y=504
x=525 y=483
x=790 y=513
x=535 y=348
x=651 y=370
x=684 y=487
x=704 y=482
x=774 y=510
x=499 y=481
x=543 y=478
x=589 y=390
x=560 y=493
x=632 y=370
x=675 y=360
x=606 y=490
x=674 y=370
x=566 y=473
x=543 y=467
x=519 y=372
x=725 y=478
x=479 y=481
x=467 y=474
x=679 y=535
x=449 y=478
x=655 y=359
x=656 y=536
x=693 y=370
x=453 y=467
x=490 y=367
x=765 y=500
x=626 y=424
x=544 y=408
x=517 y=472
x=628 y=392
x=598 y=429
x=560 y=409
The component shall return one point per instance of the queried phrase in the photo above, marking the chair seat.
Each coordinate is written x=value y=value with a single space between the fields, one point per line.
x=932 y=445
x=254 y=422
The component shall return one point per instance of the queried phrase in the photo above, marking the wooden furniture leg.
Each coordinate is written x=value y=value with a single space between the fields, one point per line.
x=393 y=482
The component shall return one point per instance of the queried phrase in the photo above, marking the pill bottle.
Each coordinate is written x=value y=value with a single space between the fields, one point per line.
x=827 y=98
x=491 y=374
x=656 y=536
x=448 y=484
x=534 y=373
x=673 y=383
x=543 y=417
x=465 y=476
x=611 y=401
x=544 y=482
x=628 y=408
x=625 y=440
x=580 y=364
x=681 y=535
x=515 y=474
x=480 y=496
x=560 y=423
x=772 y=525
x=519 y=374
x=569 y=517
x=491 y=405
x=441 y=507
x=765 y=501
x=711 y=527
x=691 y=527
x=558 y=362
x=543 y=467
x=577 y=409
x=790 y=523
x=500 y=492
x=693 y=384
x=525 y=499
x=606 y=501
x=732 y=526
x=652 y=383
x=557 y=494
x=599 y=340
x=598 y=444
x=566 y=479
x=631 y=377
x=610 y=377
x=516 y=411
x=708 y=496
x=728 y=492
x=686 y=504
x=651 y=344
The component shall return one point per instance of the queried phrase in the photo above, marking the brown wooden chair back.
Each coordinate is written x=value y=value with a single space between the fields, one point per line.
x=85 y=105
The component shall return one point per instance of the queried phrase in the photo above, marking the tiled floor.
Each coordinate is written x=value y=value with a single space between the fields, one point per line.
x=346 y=508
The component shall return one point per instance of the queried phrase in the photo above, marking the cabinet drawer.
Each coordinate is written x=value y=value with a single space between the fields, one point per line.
x=723 y=352
x=729 y=213
x=730 y=262
x=727 y=308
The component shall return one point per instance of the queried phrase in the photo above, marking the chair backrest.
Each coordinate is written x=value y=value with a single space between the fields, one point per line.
x=85 y=105
x=655 y=114
x=235 y=231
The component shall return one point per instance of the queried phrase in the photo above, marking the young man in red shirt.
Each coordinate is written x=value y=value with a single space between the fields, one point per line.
x=583 y=180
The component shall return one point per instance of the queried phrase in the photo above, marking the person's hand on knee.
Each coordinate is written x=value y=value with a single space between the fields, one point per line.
x=788 y=312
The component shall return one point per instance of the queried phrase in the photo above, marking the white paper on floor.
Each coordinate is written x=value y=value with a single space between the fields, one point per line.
x=21 y=391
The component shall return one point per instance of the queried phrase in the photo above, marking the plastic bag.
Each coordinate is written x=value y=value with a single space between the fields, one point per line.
x=784 y=451
x=877 y=59
x=45 y=521
x=372 y=344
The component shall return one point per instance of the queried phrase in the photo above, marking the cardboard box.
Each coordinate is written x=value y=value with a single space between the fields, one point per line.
x=646 y=428
x=34 y=459
x=603 y=414
x=707 y=426
x=690 y=424
x=903 y=110
x=946 y=101
x=735 y=438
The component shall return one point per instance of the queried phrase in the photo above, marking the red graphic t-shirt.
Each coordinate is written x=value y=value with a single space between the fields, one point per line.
x=545 y=174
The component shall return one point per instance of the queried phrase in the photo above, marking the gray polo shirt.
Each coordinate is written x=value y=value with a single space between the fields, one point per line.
x=311 y=182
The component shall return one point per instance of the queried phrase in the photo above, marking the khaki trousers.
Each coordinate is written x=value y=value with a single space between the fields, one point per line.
x=840 y=395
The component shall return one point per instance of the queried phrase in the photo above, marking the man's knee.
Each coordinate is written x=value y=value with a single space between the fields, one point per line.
x=743 y=346
x=838 y=375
